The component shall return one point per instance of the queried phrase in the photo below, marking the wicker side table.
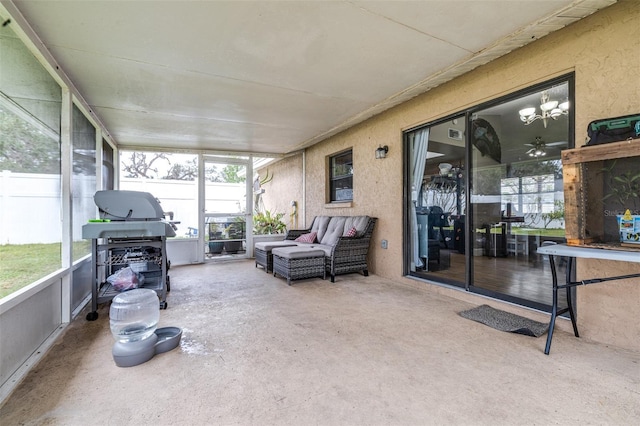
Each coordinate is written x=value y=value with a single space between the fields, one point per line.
x=296 y=263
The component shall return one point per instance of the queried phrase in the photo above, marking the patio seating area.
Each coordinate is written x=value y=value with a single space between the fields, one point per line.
x=359 y=351
x=343 y=239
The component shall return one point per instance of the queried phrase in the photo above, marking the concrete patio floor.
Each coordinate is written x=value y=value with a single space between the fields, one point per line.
x=364 y=350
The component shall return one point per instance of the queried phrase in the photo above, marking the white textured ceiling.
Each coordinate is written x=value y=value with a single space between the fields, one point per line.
x=272 y=76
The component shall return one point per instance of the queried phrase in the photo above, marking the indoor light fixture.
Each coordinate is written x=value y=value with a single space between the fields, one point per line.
x=537 y=152
x=381 y=152
x=539 y=149
x=549 y=109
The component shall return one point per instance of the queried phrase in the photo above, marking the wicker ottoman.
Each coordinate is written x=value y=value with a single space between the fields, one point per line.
x=262 y=252
x=295 y=263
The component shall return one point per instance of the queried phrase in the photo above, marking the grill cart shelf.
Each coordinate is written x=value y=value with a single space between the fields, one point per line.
x=113 y=254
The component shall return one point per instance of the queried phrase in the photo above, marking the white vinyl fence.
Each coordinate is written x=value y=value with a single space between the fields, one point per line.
x=30 y=210
x=181 y=198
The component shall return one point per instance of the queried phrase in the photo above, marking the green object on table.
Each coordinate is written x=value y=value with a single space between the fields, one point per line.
x=99 y=220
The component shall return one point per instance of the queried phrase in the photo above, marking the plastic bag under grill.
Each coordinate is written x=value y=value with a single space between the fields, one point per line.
x=125 y=279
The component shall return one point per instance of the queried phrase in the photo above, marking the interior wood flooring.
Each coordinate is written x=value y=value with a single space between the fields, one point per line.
x=524 y=277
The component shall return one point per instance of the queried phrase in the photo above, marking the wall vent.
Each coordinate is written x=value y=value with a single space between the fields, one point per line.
x=455 y=134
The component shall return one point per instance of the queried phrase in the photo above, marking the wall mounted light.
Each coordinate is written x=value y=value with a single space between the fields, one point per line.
x=381 y=152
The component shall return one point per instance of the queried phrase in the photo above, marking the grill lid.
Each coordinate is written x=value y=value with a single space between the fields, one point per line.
x=128 y=205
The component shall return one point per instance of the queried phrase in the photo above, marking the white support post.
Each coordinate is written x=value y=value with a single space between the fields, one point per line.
x=249 y=206
x=201 y=209
x=66 y=163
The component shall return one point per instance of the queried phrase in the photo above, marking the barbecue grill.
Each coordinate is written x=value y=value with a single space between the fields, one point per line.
x=131 y=232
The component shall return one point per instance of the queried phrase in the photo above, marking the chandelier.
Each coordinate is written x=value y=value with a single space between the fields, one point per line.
x=549 y=110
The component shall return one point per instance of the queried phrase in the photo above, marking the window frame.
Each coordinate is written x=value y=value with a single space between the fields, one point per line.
x=346 y=178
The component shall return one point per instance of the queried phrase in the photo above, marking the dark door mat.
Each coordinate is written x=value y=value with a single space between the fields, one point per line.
x=505 y=321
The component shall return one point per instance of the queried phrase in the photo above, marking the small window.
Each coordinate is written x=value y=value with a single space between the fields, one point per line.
x=341 y=177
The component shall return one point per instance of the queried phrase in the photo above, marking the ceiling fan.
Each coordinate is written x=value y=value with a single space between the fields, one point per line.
x=540 y=147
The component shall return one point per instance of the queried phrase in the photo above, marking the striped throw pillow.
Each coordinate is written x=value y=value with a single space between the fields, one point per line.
x=351 y=232
x=307 y=238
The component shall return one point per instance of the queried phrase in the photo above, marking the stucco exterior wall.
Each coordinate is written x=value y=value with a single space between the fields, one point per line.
x=602 y=50
x=609 y=312
x=284 y=186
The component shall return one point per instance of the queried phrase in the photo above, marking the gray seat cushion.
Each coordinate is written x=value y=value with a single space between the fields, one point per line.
x=328 y=250
x=269 y=245
x=297 y=252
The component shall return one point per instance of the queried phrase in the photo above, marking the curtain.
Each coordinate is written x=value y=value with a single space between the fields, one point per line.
x=418 y=151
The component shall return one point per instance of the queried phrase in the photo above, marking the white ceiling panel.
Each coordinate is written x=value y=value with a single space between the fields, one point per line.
x=468 y=24
x=272 y=76
x=195 y=133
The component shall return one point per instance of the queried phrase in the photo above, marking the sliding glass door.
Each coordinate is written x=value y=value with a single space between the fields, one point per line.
x=517 y=198
x=437 y=209
x=485 y=190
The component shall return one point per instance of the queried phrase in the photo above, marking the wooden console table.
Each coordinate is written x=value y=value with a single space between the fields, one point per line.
x=571 y=253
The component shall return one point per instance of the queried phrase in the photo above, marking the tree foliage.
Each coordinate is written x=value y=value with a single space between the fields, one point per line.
x=25 y=149
x=157 y=165
x=137 y=165
x=230 y=174
x=556 y=214
x=186 y=171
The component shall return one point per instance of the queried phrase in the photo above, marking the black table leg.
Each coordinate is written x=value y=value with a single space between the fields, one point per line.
x=554 y=306
x=569 y=286
x=570 y=292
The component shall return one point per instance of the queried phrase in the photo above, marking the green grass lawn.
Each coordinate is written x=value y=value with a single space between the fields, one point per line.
x=20 y=265
x=558 y=233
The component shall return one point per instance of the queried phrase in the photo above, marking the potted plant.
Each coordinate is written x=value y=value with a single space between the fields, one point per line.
x=624 y=191
x=215 y=238
x=267 y=223
x=235 y=234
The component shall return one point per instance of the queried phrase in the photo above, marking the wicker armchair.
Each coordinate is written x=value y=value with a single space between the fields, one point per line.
x=348 y=255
